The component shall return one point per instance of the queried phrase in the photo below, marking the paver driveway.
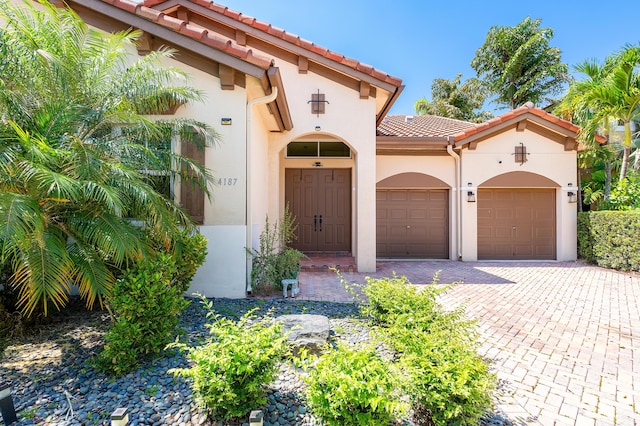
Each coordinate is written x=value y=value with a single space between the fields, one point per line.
x=563 y=336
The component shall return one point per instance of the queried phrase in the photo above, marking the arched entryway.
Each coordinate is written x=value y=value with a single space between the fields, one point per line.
x=318 y=176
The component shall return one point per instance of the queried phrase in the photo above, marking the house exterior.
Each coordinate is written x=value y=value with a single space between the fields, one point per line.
x=306 y=127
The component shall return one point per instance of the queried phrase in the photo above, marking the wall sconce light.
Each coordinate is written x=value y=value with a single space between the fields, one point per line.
x=317 y=164
x=318 y=128
x=573 y=197
x=471 y=197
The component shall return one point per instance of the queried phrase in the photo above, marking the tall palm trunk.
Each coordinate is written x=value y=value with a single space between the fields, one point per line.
x=607 y=180
x=627 y=150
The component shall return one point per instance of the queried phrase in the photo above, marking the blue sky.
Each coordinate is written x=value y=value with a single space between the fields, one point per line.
x=419 y=40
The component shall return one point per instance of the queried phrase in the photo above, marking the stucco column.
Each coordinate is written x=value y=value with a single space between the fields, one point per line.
x=566 y=229
x=365 y=206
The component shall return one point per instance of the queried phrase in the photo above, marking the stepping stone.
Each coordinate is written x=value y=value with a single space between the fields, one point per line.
x=306 y=331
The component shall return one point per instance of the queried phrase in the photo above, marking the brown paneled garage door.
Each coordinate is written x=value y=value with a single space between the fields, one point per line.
x=516 y=224
x=413 y=223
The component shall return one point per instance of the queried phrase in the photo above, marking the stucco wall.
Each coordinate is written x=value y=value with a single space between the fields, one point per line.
x=224 y=271
x=547 y=158
x=347 y=118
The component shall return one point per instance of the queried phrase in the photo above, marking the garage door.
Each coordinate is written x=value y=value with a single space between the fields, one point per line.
x=516 y=224
x=413 y=224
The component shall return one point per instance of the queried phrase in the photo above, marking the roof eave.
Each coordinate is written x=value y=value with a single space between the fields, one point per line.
x=387 y=106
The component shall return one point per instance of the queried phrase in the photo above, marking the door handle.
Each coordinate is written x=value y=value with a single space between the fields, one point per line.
x=320 y=223
x=315 y=223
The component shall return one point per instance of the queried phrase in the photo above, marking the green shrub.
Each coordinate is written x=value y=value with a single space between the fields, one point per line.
x=610 y=239
x=230 y=371
x=273 y=261
x=189 y=251
x=354 y=387
x=147 y=305
x=449 y=383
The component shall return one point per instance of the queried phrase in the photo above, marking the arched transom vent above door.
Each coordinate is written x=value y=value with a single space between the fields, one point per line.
x=411 y=180
x=519 y=180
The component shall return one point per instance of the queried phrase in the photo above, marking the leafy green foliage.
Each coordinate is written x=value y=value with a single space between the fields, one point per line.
x=73 y=143
x=449 y=382
x=147 y=304
x=354 y=387
x=451 y=99
x=228 y=373
x=273 y=261
x=625 y=195
x=189 y=251
x=610 y=239
x=518 y=65
x=610 y=92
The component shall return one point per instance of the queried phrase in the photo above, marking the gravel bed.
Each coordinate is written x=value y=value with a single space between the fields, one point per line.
x=53 y=382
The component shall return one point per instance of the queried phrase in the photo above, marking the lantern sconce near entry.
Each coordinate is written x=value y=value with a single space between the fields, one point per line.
x=573 y=197
x=471 y=197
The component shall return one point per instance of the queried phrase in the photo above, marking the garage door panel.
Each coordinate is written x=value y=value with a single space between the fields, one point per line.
x=413 y=223
x=516 y=223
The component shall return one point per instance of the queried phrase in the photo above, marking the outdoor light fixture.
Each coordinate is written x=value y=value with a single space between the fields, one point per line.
x=471 y=197
x=120 y=417
x=573 y=197
x=317 y=164
x=318 y=128
x=6 y=404
x=256 y=418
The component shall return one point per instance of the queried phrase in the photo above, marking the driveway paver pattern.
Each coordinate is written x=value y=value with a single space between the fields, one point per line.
x=563 y=337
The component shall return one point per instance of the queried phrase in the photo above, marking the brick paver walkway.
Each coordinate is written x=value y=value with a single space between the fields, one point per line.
x=563 y=336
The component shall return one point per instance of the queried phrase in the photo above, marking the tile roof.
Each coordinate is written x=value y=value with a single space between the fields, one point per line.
x=193 y=31
x=527 y=108
x=281 y=34
x=418 y=126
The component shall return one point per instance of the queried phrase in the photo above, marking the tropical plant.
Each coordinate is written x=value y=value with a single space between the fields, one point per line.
x=449 y=384
x=274 y=261
x=609 y=94
x=229 y=372
x=76 y=196
x=518 y=65
x=355 y=387
x=454 y=100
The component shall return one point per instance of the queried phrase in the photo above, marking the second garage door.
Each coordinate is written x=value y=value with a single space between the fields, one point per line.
x=516 y=224
x=413 y=223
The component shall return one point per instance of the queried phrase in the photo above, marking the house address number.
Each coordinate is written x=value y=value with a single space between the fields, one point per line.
x=227 y=181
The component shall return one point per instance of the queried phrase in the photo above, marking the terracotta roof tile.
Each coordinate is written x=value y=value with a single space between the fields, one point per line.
x=129 y=6
x=194 y=31
x=527 y=108
x=171 y=22
x=292 y=38
x=421 y=126
x=144 y=10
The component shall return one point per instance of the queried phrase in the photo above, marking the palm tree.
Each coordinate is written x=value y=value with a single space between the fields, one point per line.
x=611 y=93
x=73 y=193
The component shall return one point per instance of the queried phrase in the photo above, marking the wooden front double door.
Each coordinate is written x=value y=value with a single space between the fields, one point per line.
x=320 y=201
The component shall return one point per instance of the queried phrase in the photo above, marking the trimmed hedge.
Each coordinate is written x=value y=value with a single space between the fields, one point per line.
x=610 y=239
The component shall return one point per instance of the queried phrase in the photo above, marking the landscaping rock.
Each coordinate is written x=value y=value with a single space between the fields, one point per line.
x=306 y=331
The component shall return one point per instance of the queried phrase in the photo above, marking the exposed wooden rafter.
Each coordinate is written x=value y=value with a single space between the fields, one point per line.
x=303 y=65
x=365 y=90
x=227 y=80
x=144 y=44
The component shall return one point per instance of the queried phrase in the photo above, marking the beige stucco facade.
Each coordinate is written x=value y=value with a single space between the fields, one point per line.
x=257 y=84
